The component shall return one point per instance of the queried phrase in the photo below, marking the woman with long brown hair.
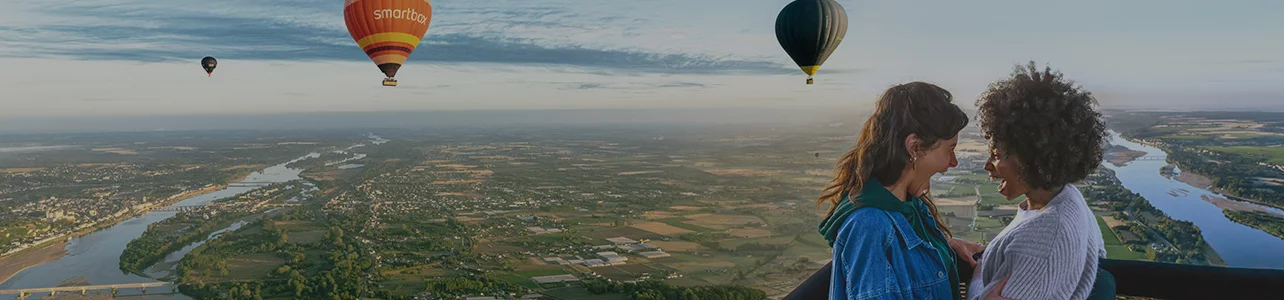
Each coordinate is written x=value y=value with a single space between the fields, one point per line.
x=884 y=228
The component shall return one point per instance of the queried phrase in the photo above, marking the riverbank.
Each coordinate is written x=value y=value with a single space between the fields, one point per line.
x=1213 y=258
x=1120 y=155
x=1238 y=245
x=1224 y=203
x=30 y=258
x=1200 y=181
x=1122 y=158
x=1197 y=180
x=48 y=252
x=1268 y=223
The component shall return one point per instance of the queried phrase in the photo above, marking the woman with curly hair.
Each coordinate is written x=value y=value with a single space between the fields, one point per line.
x=1044 y=134
x=888 y=242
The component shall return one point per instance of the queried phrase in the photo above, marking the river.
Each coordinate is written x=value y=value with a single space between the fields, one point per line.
x=96 y=257
x=1239 y=245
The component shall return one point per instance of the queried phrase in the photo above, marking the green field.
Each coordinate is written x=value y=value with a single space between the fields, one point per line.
x=1186 y=137
x=304 y=237
x=629 y=232
x=627 y=271
x=409 y=280
x=983 y=223
x=1107 y=234
x=576 y=292
x=1114 y=248
x=1273 y=155
x=403 y=287
x=677 y=222
x=516 y=279
x=771 y=240
x=299 y=225
x=977 y=177
x=245 y=267
x=541 y=272
x=989 y=188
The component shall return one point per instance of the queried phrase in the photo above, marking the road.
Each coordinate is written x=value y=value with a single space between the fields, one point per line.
x=1154 y=234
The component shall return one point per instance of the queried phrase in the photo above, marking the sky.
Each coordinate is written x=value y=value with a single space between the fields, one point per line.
x=68 y=58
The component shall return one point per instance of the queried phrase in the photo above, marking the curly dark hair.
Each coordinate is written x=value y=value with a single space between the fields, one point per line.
x=1048 y=123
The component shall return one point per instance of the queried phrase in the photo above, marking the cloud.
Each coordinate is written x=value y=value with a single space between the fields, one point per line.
x=1258 y=61
x=632 y=86
x=506 y=32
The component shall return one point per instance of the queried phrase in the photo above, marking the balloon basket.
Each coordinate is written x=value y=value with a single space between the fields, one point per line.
x=810 y=81
x=389 y=82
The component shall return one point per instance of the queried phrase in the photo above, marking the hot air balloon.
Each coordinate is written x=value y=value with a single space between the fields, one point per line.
x=209 y=63
x=387 y=30
x=810 y=30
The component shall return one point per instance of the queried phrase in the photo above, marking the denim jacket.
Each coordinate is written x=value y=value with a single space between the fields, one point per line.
x=878 y=256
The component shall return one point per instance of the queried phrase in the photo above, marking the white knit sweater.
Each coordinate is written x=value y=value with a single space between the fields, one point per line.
x=1049 y=253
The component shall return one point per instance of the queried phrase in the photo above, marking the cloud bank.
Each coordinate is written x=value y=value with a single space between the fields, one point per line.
x=555 y=33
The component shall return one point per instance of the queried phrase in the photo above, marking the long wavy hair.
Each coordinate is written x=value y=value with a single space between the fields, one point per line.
x=917 y=107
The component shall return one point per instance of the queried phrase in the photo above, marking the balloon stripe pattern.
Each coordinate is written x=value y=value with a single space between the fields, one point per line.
x=387 y=30
x=810 y=30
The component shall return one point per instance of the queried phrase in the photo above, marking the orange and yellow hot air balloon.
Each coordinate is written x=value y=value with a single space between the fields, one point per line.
x=387 y=30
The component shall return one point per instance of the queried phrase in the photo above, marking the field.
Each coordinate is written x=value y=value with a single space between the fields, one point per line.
x=20 y=170
x=1274 y=155
x=244 y=267
x=720 y=221
x=409 y=280
x=661 y=228
x=1115 y=249
x=305 y=237
x=1187 y=137
x=120 y=151
x=576 y=292
x=301 y=232
x=673 y=247
x=749 y=232
x=735 y=208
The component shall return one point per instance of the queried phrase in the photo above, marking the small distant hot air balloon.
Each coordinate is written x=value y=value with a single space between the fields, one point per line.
x=209 y=63
x=387 y=30
x=810 y=30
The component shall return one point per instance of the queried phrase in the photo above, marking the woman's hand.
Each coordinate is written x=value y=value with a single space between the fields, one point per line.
x=994 y=293
x=965 y=250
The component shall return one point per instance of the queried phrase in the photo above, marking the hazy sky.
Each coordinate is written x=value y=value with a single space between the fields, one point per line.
x=122 y=57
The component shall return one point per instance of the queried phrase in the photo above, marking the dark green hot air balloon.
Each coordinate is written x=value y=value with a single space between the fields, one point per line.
x=209 y=63
x=810 y=30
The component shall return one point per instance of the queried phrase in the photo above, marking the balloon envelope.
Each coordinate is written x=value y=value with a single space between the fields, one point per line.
x=208 y=63
x=387 y=30
x=810 y=30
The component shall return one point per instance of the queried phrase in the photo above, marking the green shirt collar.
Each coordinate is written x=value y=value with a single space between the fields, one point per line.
x=874 y=194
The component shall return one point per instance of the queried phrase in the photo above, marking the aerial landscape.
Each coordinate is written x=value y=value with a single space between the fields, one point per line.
x=631 y=150
x=559 y=211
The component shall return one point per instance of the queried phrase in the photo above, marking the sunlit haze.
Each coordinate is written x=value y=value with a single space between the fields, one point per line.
x=635 y=150
x=96 y=57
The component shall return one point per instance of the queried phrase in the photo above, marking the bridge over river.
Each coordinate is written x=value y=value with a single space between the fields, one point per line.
x=217 y=205
x=84 y=289
x=250 y=183
x=177 y=208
